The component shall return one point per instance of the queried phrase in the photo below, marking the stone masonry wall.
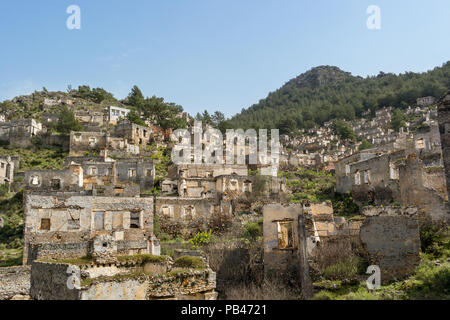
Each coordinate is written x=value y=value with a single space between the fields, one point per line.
x=391 y=238
x=15 y=283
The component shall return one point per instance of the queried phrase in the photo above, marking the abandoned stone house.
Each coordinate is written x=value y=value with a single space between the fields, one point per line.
x=411 y=176
x=425 y=101
x=281 y=238
x=19 y=132
x=389 y=236
x=96 y=176
x=114 y=114
x=187 y=216
x=64 y=226
x=82 y=143
x=90 y=120
x=6 y=170
x=199 y=180
x=133 y=133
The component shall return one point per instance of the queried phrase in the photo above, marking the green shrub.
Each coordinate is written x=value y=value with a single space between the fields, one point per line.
x=190 y=262
x=164 y=237
x=200 y=239
x=434 y=238
x=167 y=252
x=4 y=189
x=252 y=230
x=342 y=270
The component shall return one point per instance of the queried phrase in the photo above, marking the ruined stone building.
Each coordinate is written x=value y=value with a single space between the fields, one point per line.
x=65 y=225
x=90 y=120
x=388 y=235
x=281 y=238
x=66 y=209
x=444 y=129
x=133 y=133
x=425 y=101
x=114 y=114
x=6 y=170
x=19 y=132
x=99 y=176
x=82 y=143
x=408 y=172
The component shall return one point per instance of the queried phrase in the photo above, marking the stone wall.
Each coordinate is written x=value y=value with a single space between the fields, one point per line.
x=444 y=129
x=424 y=188
x=391 y=237
x=280 y=255
x=49 y=282
x=83 y=142
x=185 y=216
x=15 y=283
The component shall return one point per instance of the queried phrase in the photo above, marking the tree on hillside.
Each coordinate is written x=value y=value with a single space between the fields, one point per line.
x=365 y=145
x=67 y=121
x=287 y=126
x=136 y=98
x=135 y=118
x=327 y=93
x=398 y=120
x=217 y=118
x=343 y=130
x=205 y=118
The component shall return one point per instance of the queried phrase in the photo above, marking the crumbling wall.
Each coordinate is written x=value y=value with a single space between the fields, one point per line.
x=15 y=283
x=85 y=142
x=49 y=282
x=391 y=237
x=423 y=189
x=444 y=129
x=187 y=216
x=64 y=227
x=280 y=247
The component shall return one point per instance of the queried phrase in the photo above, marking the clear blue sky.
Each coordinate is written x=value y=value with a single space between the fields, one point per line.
x=211 y=54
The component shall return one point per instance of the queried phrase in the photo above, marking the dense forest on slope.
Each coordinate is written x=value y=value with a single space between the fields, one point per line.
x=326 y=93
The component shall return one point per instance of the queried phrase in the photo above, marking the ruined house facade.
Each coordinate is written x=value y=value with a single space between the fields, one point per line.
x=114 y=114
x=82 y=143
x=6 y=170
x=281 y=233
x=19 y=132
x=444 y=128
x=408 y=173
x=66 y=210
x=65 y=226
x=133 y=133
x=389 y=237
x=96 y=176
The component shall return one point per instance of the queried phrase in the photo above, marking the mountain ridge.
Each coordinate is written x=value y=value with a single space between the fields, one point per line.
x=325 y=93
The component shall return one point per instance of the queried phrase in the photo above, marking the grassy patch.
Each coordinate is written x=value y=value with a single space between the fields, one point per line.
x=119 y=277
x=36 y=158
x=10 y=257
x=142 y=258
x=190 y=262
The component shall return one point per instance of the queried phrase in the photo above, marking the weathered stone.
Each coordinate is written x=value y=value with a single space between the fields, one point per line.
x=15 y=283
x=391 y=238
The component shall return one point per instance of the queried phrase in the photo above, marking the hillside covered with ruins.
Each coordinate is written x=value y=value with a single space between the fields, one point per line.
x=361 y=178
